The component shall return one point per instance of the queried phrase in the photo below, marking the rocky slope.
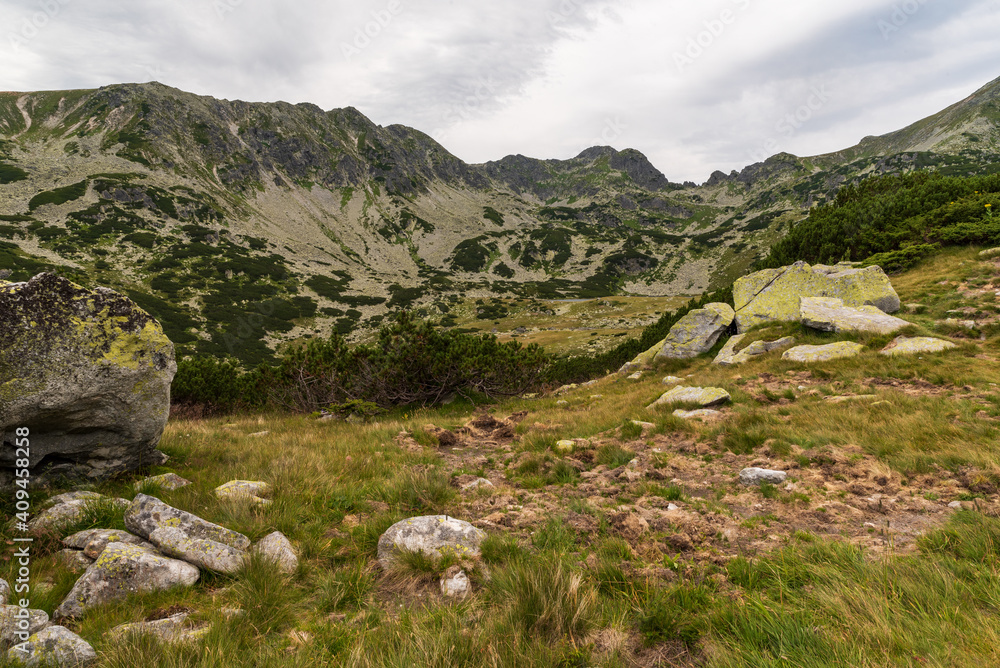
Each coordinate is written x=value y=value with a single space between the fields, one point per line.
x=243 y=225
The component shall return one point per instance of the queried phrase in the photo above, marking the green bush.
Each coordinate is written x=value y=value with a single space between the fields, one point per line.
x=11 y=174
x=59 y=195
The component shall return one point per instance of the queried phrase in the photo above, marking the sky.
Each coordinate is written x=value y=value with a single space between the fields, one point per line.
x=696 y=85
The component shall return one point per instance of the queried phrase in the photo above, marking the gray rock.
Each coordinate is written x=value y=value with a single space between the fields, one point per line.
x=93 y=541
x=5 y=591
x=773 y=295
x=433 y=535
x=173 y=629
x=455 y=583
x=755 y=476
x=74 y=561
x=916 y=346
x=54 y=646
x=89 y=371
x=147 y=513
x=59 y=516
x=672 y=380
x=244 y=490
x=277 y=548
x=830 y=315
x=477 y=484
x=831 y=351
x=201 y=552
x=124 y=569
x=706 y=397
x=729 y=357
x=167 y=481
x=17 y=623
x=60 y=499
x=703 y=414
x=696 y=332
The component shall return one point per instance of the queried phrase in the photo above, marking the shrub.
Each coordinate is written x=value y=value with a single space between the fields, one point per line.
x=59 y=195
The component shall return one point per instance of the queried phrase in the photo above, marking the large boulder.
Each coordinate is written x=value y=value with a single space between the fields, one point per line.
x=642 y=360
x=774 y=294
x=828 y=314
x=696 y=332
x=87 y=372
x=147 y=514
x=208 y=554
x=124 y=569
x=434 y=535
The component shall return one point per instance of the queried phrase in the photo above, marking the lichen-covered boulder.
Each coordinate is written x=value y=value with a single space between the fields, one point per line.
x=729 y=356
x=706 y=397
x=53 y=646
x=124 y=569
x=434 y=535
x=277 y=548
x=828 y=314
x=696 y=332
x=88 y=372
x=147 y=514
x=207 y=554
x=642 y=360
x=93 y=541
x=831 y=351
x=17 y=623
x=773 y=294
x=916 y=346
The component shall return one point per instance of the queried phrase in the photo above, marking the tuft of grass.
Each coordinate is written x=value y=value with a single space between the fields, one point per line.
x=498 y=549
x=265 y=595
x=613 y=455
x=346 y=587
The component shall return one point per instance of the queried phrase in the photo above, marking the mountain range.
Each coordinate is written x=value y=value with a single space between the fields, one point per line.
x=245 y=225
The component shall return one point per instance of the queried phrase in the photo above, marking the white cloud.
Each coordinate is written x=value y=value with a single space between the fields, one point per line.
x=545 y=78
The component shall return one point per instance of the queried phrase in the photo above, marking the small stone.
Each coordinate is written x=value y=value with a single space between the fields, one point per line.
x=562 y=402
x=258 y=434
x=957 y=505
x=672 y=508
x=672 y=380
x=93 y=541
x=756 y=476
x=847 y=399
x=478 y=483
x=54 y=646
x=455 y=583
x=636 y=376
x=279 y=549
x=433 y=535
x=173 y=629
x=244 y=490
x=4 y=592
x=565 y=447
x=167 y=481
x=645 y=426
x=702 y=414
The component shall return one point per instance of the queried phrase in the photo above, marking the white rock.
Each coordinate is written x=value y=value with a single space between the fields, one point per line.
x=756 y=476
x=957 y=505
x=477 y=484
x=4 y=592
x=433 y=535
x=565 y=447
x=702 y=414
x=279 y=549
x=455 y=583
x=672 y=380
x=636 y=376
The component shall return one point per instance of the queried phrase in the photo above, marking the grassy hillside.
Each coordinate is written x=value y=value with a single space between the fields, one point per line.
x=640 y=547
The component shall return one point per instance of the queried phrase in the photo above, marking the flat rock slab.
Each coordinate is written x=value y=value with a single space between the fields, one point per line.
x=773 y=295
x=124 y=569
x=12 y=617
x=434 y=535
x=756 y=476
x=702 y=414
x=830 y=315
x=277 y=548
x=93 y=541
x=201 y=552
x=167 y=481
x=54 y=646
x=916 y=346
x=173 y=629
x=705 y=397
x=147 y=514
x=831 y=351
x=696 y=332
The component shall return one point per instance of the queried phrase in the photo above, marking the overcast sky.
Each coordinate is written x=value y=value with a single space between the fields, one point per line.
x=696 y=85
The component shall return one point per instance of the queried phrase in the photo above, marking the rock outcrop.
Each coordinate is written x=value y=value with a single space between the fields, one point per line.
x=642 y=360
x=729 y=356
x=916 y=346
x=88 y=372
x=147 y=514
x=773 y=294
x=696 y=332
x=828 y=314
x=202 y=552
x=434 y=535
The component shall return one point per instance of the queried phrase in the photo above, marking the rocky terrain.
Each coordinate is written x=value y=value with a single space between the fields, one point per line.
x=242 y=226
